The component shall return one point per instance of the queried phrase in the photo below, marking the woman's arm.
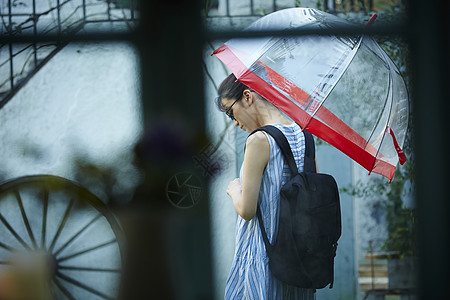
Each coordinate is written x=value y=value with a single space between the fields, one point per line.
x=245 y=193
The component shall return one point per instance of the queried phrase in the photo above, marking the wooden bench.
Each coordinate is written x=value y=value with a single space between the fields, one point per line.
x=373 y=275
x=374 y=280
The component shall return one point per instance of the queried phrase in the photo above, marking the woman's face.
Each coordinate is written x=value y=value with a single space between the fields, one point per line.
x=241 y=113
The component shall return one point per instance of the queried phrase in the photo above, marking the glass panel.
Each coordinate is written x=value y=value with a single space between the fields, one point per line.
x=79 y=117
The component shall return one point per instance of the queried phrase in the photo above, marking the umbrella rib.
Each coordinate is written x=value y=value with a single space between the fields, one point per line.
x=387 y=95
x=336 y=66
x=389 y=116
x=379 y=117
x=325 y=114
x=380 y=58
x=25 y=218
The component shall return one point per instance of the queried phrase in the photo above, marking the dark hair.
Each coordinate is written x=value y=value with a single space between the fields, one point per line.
x=229 y=88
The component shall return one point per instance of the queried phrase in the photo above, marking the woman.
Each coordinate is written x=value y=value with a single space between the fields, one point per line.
x=262 y=175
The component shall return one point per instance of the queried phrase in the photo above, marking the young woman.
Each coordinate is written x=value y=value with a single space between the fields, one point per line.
x=262 y=175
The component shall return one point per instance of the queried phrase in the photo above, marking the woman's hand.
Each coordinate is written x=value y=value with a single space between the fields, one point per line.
x=234 y=189
x=245 y=193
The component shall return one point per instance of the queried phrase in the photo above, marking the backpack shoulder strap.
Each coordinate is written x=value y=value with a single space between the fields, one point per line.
x=310 y=153
x=280 y=138
x=283 y=143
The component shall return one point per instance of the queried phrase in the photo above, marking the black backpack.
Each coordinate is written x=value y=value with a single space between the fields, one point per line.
x=309 y=226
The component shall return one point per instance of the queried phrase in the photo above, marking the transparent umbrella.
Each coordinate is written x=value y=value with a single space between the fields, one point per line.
x=343 y=89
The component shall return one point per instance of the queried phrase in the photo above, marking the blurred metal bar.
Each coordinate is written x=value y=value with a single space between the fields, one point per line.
x=109 y=9
x=15 y=87
x=69 y=37
x=85 y=227
x=111 y=21
x=84 y=10
x=398 y=29
x=17 y=14
x=44 y=217
x=14 y=233
x=58 y=11
x=61 y=224
x=34 y=33
x=11 y=66
x=169 y=248
x=21 y=50
x=25 y=219
x=63 y=289
x=92 y=248
x=430 y=48
x=82 y=286
x=6 y=247
x=89 y=269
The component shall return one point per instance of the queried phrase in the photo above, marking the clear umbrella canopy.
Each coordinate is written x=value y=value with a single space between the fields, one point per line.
x=345 y=90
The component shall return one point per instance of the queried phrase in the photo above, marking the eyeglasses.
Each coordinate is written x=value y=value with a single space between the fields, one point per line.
x=229 y=112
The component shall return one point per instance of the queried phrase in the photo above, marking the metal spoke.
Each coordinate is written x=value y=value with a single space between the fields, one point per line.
x=44 y=218
x=13 y=232
x=82 y=285
x=9 y=248
x=25 y=218
x=63 y=289
x=87 y=250
x=77 y=234
x=89 y=269
x=61 y=225
x=59 y=237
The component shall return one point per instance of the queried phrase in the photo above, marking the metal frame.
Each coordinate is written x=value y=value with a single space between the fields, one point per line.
x=341 y=6
x=16 y=81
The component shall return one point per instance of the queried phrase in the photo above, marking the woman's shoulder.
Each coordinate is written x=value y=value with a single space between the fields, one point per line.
x=257 y=140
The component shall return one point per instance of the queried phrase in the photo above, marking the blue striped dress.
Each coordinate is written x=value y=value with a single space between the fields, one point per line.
x=250 y=277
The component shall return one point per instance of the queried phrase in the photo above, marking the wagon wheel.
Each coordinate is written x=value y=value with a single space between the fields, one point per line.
x=69 y=228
